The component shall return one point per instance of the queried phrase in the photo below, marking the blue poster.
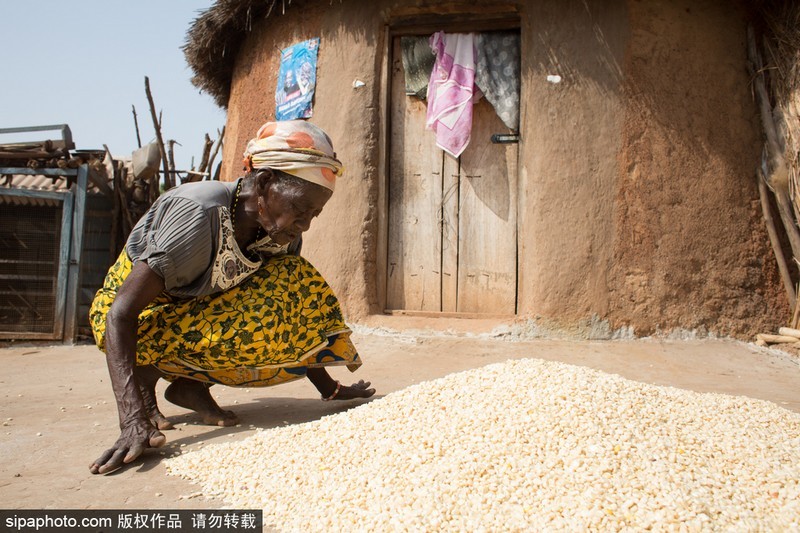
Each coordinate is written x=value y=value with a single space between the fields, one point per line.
x=296 y=80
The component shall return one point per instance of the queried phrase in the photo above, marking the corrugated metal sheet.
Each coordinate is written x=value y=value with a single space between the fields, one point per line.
x=35 y=183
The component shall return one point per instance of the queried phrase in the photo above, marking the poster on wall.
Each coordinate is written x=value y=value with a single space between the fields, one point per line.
x=297 y=78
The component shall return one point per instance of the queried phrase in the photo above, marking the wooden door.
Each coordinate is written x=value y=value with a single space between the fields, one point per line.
x=452 y=243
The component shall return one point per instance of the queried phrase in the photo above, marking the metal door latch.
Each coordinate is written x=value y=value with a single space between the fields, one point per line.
x=505 y=138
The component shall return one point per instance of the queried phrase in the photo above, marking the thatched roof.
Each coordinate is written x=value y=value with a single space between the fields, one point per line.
x=776 y=85
x=213 y=41
x=782 y=41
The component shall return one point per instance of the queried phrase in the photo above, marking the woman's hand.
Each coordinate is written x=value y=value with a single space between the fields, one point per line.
x=135 y=438
x=334 y=390
x=356 y=390
x=140 y=288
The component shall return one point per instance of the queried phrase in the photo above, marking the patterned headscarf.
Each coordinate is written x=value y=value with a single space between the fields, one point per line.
x=296 y=147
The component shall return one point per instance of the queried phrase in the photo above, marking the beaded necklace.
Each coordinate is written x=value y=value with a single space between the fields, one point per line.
x=259 y=233
x=235 y=202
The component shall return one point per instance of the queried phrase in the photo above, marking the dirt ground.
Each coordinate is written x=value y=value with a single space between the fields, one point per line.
x=58 y=412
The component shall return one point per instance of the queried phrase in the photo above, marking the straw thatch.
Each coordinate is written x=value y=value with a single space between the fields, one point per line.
x=782 y=44
x=213 y=41
x=777 y=89
x=782 y=41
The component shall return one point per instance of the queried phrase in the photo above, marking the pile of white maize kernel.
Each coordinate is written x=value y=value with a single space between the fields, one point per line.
x=526 y=445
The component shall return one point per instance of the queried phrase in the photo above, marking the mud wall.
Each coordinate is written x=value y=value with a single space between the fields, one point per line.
x=341 y=242
x=637 y=201
x=690 y=247
x=568 y=161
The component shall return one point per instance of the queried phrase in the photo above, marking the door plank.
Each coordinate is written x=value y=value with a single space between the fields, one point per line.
x=487 y=255
x=415 y=193
x=449 y=223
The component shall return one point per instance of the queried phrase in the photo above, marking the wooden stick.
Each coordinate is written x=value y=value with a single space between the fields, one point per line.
x=221 y=135
x=796 y=316
x=789 y=224
x=203 y=162
x=776 y=339
x=48 y=145
x=206 y=153
x=116 y=214
x=783 y=267
x=782 y=200
x=194 y=172
x=127 y=220
x=775 y=175
x=795 y=197
x=159 y=139
x=115 y=211
x=778 y=178
x=31 y=155
x=789 y=332
x=170 y=154
x=178 y=171
x=169 y=178
x=136 y=125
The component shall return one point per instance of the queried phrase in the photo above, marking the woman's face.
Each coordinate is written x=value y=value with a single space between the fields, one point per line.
x=287 y=209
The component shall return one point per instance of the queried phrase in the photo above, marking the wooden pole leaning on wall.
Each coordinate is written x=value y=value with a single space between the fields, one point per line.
x=777 y=174
x=774 y=240
x=774 y=175
x=796 y=315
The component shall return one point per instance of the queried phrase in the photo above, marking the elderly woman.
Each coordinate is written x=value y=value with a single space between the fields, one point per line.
x=210 y=289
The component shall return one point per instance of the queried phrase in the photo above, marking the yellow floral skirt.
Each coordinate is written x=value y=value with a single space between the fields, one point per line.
x=267 y=330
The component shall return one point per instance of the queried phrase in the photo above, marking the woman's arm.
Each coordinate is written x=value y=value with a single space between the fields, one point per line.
x=140 y=288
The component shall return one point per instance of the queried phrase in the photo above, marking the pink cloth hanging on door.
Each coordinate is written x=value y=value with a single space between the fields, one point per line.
x=451 y=90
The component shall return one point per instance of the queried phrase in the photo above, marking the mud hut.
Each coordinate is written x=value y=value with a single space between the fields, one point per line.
x=625 y=200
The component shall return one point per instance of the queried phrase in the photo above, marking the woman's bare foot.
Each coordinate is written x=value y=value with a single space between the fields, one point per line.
x=195 y=396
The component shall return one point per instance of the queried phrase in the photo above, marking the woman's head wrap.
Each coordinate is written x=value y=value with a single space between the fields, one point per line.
x=296 y=147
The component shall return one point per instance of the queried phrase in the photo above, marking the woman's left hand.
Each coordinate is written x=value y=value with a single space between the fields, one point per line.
x=356 y=390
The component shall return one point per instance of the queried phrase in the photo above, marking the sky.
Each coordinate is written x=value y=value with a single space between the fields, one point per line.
x=83 y=63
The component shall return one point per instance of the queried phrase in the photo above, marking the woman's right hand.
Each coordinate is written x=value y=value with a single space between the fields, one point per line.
x=136 y=436
x=356 y=390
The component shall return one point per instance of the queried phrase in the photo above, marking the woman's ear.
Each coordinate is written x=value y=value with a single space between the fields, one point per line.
x=263 y=178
